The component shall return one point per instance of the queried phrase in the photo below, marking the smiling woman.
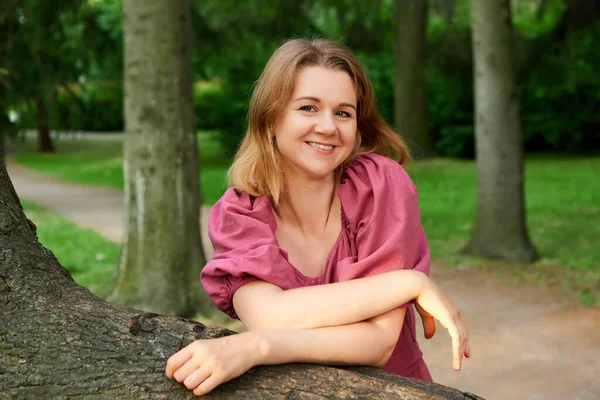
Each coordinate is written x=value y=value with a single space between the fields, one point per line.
x=317 y=130
x=319 y=248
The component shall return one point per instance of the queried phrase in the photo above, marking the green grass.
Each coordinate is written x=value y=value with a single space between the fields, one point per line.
x=89 y=258
x=101 y=162
x=562 y=201
x=563 y=216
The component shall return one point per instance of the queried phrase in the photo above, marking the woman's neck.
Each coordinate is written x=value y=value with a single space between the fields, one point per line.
x=307 y=204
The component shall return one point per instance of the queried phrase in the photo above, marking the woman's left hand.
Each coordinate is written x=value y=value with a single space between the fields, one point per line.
x=204 y=364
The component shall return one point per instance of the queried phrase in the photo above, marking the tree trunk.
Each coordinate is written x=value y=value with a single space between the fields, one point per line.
x=58 y=340
x=2 y=149
x=410 y=112
x=44 y=141
x=500 y=229
x=162 y=254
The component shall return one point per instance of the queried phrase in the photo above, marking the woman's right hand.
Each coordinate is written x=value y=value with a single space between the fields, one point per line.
x=434 y=301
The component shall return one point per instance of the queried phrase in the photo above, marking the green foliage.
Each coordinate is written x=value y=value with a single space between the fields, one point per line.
x=559 y=102
x=558 y=90
x=72 y=53
x=95 y=106
x=49 y=47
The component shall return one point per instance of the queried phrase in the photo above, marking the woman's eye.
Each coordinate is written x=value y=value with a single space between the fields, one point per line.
x=307 y=108
x=344 y=114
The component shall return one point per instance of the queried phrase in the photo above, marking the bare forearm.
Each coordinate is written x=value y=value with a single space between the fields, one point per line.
x=329 y=305
x=358 y=344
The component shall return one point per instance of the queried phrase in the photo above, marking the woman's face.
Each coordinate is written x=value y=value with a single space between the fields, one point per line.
x=317 y=130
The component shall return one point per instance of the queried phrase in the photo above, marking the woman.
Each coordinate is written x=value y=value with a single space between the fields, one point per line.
x=319 y=248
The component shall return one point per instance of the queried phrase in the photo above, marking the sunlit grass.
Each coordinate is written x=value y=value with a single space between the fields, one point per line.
x=562 y=202
x=100 y=162
x=89 y=258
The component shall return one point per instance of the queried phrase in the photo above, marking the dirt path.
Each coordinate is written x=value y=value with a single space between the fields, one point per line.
x=525 y=344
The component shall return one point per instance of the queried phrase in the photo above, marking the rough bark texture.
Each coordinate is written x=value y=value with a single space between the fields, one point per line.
x=410 y=111
x=59 y=341
x=162 y=253
x=500 y=229
x=44 y=141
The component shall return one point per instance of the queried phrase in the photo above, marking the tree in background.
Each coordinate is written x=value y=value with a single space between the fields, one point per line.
x=162 y=256
x=500 y=229
x=410 y=105
x=45 y=48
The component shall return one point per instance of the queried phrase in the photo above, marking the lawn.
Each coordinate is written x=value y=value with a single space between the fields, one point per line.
x=89 y=258
x=101 y=162
x=563 y=204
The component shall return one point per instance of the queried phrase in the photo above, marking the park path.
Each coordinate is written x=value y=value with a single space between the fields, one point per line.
x=525 y=343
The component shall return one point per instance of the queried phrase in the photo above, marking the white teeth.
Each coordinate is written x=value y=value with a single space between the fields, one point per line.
x=320 y=146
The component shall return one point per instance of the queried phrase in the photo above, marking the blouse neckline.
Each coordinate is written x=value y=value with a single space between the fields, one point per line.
x=314 y=280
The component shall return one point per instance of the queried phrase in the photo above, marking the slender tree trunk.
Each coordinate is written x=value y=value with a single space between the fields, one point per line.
x=59 y=341
x=44 y=140
x=162 y=254
x=500 y=229
x=410 y=112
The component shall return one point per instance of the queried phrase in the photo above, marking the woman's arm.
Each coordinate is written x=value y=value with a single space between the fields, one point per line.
x=262 y=306
x=204 y=364
x=368 y=342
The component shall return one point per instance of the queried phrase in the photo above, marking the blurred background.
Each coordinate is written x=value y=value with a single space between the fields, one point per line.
x=62 y=124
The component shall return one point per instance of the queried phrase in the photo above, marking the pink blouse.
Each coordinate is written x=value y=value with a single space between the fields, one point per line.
x=381 y=232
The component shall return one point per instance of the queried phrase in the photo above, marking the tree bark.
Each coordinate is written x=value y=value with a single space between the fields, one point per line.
x=162 y=254
x=410 y=112
x=500 y=229
x=58 y=340
x=44 y=140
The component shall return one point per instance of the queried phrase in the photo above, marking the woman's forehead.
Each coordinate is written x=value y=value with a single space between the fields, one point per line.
x=325 y=84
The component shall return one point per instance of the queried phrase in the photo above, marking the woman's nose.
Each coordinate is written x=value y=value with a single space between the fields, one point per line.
x=326 y=125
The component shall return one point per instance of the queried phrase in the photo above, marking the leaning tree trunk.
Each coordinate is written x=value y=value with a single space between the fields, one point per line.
x=500 y=230
x=58 y=340
x=410 y=112
x=44 y=141
x=162 y=253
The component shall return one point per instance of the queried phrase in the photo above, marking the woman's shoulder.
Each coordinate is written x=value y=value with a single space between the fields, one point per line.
x=371 y=183
x=240 y=207
x=374 y=172
x=240 y=200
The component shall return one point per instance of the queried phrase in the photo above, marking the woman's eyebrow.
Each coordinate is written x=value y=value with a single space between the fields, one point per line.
x=317 y=100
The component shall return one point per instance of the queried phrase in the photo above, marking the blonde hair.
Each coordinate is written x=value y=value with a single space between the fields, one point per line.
x=256 y=168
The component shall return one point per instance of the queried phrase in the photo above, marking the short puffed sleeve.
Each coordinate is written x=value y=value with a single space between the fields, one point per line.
x=241 y=229
x=381 y=205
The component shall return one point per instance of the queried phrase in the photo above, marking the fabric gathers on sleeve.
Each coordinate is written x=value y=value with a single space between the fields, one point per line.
x=241 y=229
x=381 y=204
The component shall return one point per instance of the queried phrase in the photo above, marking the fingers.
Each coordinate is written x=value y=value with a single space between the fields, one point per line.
x=460 y=345
x=457 y=349
x=187 y=369
x=177 y=360
x=196 y=378
x=209 y=384
x=467 y=348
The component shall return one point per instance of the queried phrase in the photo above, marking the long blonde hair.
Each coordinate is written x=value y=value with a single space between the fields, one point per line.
x=256 y=168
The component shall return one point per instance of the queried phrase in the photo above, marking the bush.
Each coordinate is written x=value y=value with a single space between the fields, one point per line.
x=221 y=108
x=96 y=106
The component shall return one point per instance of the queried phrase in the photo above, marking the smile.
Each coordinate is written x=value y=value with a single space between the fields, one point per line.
x=320 y=146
